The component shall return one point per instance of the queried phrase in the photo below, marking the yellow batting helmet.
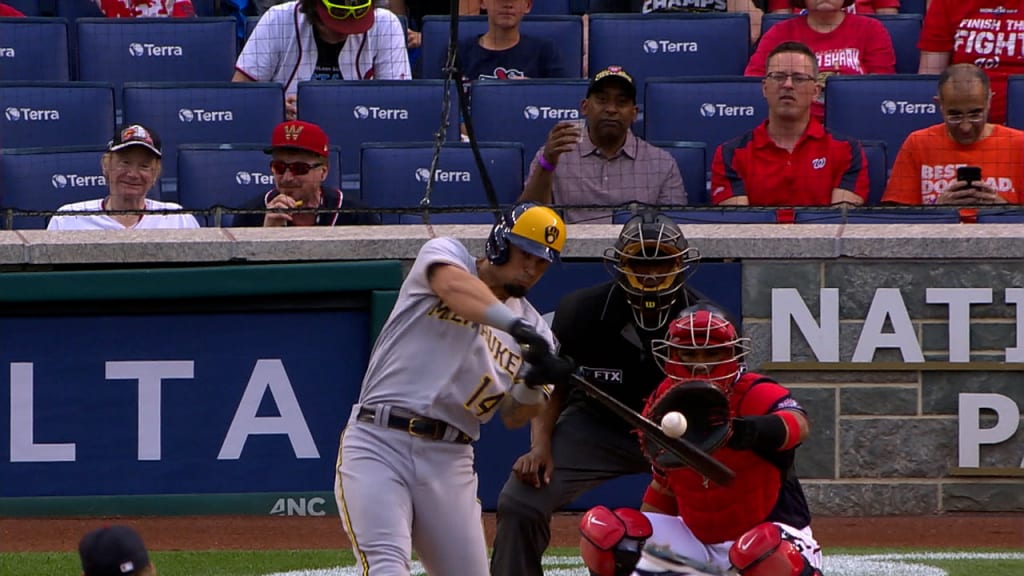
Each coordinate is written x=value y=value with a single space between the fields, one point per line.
x=532 y=228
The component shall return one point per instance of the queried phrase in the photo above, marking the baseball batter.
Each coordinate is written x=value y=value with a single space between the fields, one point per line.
x=449 y=357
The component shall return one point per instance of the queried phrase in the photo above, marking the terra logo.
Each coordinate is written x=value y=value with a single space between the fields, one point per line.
x=75 y=180
x=531 y=112
x=59 y=181
x=361 y=112
x=243 y=177
x=422 y=174
x=186 y=115
x=651 y=46
x=891 y=107
x=12 y=114
x=707 y=110
x=148 y=49
x=201 y=115
x=668 y=46
x=136 y=49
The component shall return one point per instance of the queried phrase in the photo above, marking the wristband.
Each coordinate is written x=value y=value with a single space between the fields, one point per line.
x=527 y=395
x=500 y=316
x=544 y=164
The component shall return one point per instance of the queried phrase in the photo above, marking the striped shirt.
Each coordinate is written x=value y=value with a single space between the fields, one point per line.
x=639 y=172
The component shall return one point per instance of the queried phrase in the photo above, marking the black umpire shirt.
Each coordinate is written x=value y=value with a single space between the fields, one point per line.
x=595 y=327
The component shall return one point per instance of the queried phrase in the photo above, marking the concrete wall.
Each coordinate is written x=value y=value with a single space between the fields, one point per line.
x=886 y=431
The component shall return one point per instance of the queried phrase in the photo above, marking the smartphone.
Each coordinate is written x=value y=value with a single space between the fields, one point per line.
x=969 y=174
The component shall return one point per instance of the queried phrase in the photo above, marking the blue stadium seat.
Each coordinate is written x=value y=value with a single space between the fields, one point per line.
x=1001 y=216
x=913 y=6
x=354 y=112
x=27 y=7
x=904 y=29
x=231 y=176
x=881 y=107
x=119 y=50
x=552 y=8
x=910 y=215
x=34 y=49
x=1015 y=102
x=725 y=215
x=75 y=9
x=670 y=45
x=819 y=216
x=609 y=7
x=47 y=178
x=708 y=109
x=38 y=114
x=524 y=111
x=878 y=169
x=692 y=160
x=565 y=31
x=204 y=113
x=395 y=176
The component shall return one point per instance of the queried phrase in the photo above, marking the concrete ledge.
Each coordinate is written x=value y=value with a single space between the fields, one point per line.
x=586 y=241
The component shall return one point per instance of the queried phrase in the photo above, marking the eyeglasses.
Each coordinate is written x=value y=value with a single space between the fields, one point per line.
x=973 y=118
x=297 y=168
x=344 y=11
x=797 y=78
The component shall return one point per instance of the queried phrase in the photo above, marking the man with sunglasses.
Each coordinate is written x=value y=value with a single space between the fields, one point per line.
x=323 y=40
x=790 y=159
x=929 y=168
x=299 y=163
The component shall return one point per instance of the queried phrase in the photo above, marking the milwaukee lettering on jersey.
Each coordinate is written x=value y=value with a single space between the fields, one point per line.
x=443 y=312
x=847 y=59
x=503 y=356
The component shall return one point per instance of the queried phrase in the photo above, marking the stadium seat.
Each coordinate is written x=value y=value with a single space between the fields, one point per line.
x=692 y=161
x=705 y=109
x=47 y=178
x=565 y=31
x=395 y=176
x=878 y=169
x=119 y=50
x=670 y=45
x=34 y=49
x=354 y=112
x=769 y=20
x=610 y=7
x=908 y=215
x=1001 y=215
x=204 y=113
x=552 y=8
x=881 y=107
x=230 y=176
x=27 y=7
x=913 y=6
x=524 y=111
x=38 y=114
x=75 y=9
x=1015 y=102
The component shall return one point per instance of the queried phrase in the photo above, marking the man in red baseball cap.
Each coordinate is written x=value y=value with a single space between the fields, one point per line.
x=299 y=162
x=323 y=40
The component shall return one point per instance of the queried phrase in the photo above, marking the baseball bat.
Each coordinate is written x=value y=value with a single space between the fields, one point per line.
x=682 y=449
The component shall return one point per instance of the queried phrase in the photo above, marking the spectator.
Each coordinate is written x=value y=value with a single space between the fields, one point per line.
x=577 y=444
x=323 y=40
x=503 y=53
x=980 y=32
x=605 y=164
x=843 y=43
x=299 y=152
x=738 y=525
x=9 y=11
x=131 y=167
x=925 y=171
x=146 y=8
x=703 y=6
x=858 y=7
x=415 y=10
x=790 y=159
x=114 y=551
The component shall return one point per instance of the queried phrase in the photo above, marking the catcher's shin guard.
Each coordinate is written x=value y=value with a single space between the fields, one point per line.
x=766 y=550
x=611 y=541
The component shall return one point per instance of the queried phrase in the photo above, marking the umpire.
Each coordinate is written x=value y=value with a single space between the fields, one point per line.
x=577 y=444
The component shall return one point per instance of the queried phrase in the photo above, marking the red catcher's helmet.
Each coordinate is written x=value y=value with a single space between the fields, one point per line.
x=702 y=345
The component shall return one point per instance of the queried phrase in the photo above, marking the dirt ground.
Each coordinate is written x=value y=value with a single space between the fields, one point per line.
x=271 y=532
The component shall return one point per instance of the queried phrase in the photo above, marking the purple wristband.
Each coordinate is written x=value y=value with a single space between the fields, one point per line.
x=544 y=164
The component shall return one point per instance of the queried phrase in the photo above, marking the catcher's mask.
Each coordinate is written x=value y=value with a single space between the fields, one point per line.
x=532 y=228
x=702 y=345
x=650 y=261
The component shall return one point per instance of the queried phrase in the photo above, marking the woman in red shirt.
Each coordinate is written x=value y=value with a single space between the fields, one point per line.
x=9 y=11
x=843 y=43
x=986 y=33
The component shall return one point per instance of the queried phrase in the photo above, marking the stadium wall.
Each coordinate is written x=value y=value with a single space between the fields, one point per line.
x=210 y=371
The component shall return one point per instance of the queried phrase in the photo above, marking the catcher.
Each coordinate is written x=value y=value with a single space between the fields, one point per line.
x=760 y=524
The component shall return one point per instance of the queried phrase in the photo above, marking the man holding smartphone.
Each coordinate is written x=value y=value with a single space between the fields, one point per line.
x=965 y=160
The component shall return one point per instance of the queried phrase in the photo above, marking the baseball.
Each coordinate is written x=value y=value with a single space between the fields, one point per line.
x=673 y=424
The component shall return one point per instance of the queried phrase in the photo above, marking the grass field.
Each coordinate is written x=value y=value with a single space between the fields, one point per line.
x=561 y=562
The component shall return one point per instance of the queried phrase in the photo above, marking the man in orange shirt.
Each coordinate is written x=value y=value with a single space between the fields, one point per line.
x=926 y=167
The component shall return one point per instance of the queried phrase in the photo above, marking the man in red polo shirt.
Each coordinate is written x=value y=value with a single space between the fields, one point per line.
x=790 y=159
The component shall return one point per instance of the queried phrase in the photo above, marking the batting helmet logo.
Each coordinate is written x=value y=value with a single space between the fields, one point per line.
x=551 y=234
x=532 y=228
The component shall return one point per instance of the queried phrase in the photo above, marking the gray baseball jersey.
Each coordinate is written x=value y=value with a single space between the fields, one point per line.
x=432 y=362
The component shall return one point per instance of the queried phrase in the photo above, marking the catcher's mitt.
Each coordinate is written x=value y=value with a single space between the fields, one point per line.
x=706 y=409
